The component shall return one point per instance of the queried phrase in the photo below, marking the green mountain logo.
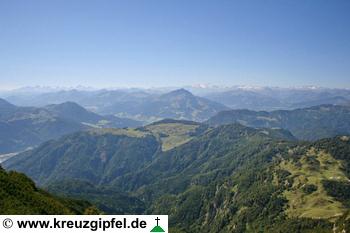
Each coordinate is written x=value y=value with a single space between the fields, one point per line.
x=157 y=228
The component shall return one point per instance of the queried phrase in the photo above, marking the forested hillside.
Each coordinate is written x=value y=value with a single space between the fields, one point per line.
x=230 y=178
x=306 y=123
x=19 y=195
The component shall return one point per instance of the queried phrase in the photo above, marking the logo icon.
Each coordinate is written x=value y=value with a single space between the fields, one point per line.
x=157 y=228
x=7 y=223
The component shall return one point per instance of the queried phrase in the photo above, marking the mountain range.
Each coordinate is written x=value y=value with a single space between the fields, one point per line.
x=275 y=98
x=238 y=97
x=178 y=104
x=23 y=127
x=135 y=104
x=306 y=123
x=210 y=168
x=229 y=178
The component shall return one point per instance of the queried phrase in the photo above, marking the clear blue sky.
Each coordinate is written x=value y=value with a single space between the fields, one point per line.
x=174 y=42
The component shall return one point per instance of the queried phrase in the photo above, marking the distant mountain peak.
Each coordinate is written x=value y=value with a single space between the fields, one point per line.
x=67 y=104
x=3 y=101
x=179 y=92
x=6 y=104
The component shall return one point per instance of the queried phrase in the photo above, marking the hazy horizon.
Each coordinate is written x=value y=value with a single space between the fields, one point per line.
x=195 y=86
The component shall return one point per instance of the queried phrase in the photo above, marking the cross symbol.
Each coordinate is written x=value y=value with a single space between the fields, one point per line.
x=157 y=219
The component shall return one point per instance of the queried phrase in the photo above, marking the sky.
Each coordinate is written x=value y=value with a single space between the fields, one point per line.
x=153 y=43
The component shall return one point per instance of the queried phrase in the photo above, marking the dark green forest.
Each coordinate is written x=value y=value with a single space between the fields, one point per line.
x=19 y=195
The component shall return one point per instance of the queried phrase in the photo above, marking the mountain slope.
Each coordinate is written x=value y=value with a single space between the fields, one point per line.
x=108 y=199
x=177 y=104
x=230 y=178
x=101 y=156
x=173 y=133
x=212 y=155
x=307 y=124
x=6 y=108
x=275 y=98
x=19 y=195
x=187 y=106
x=283 y=187
x=23 y=127
x=74 y=112
x=95 y=156
x=335 y=100
x=238 y=99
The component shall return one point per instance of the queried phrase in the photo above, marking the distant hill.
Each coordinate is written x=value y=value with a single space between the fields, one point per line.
x=307 y=124
x=238 y=99
x=23 y=127
x=136 y=104
x=178 y=104
x=74 y=112
x=275 y=98
x=19 y=195
x=334 y=100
